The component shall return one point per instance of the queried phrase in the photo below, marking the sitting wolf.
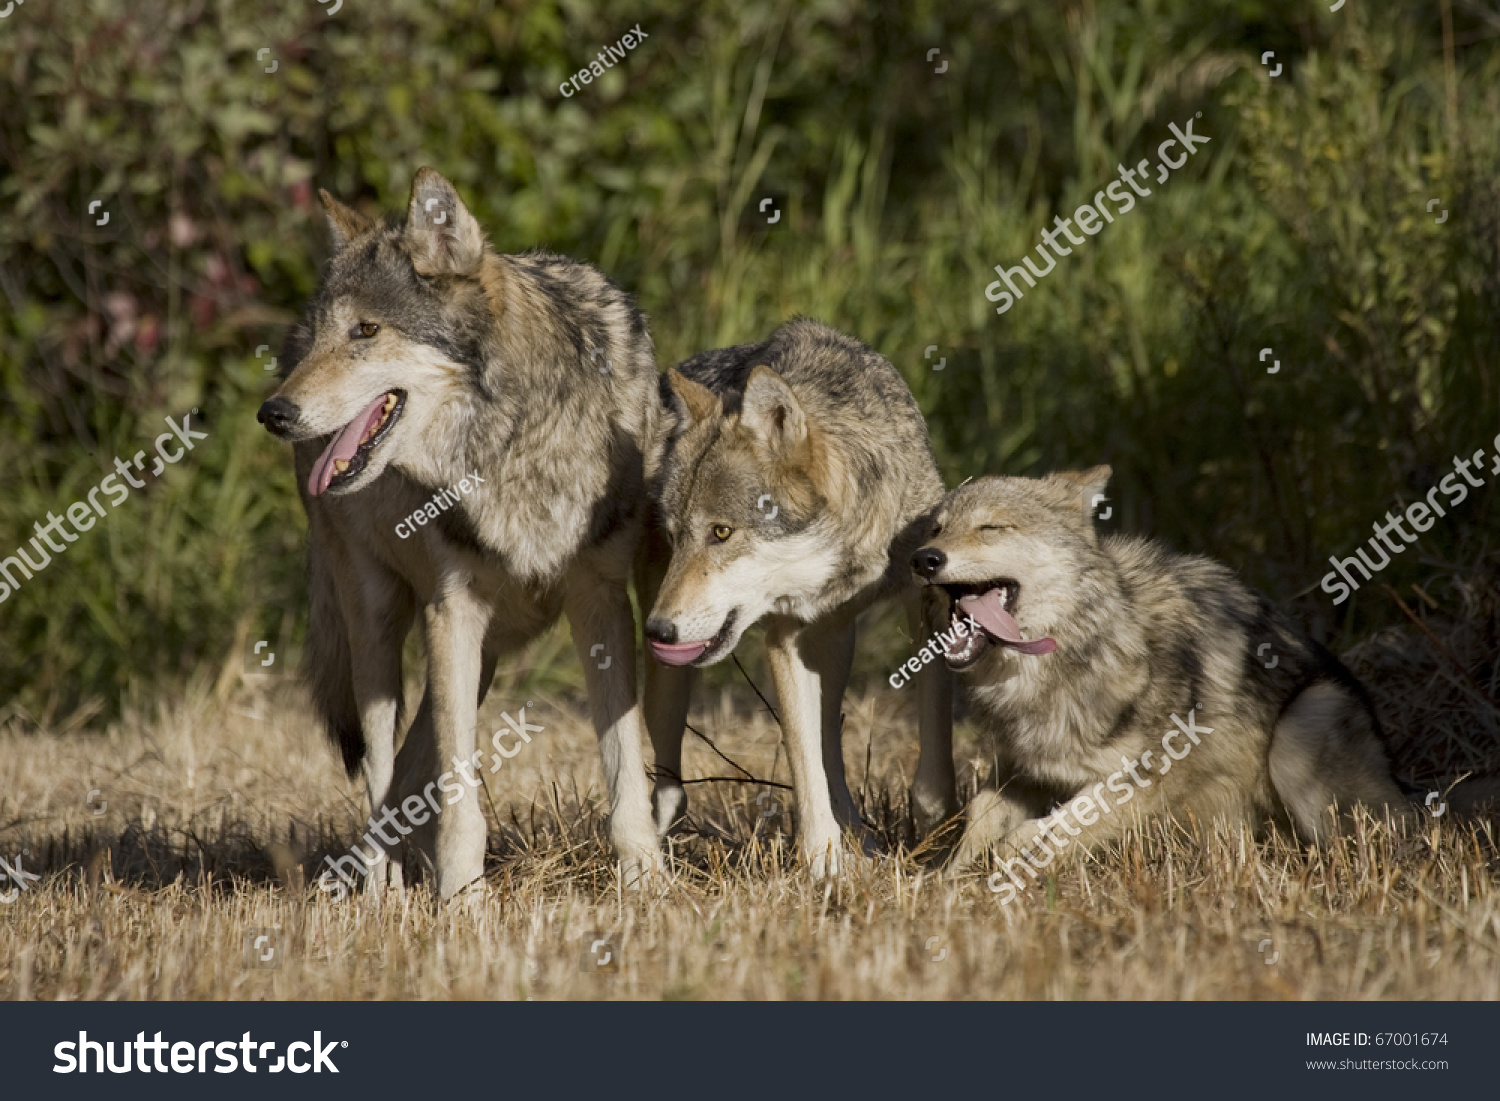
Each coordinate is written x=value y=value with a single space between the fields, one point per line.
x=1124 y=680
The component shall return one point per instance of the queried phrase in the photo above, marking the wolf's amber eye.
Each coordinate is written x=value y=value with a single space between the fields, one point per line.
x=364 y=330
x=722 y=532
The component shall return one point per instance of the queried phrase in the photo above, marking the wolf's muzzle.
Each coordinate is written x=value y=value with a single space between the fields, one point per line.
x=279 y=416
x=661 y=630
x=928 y=561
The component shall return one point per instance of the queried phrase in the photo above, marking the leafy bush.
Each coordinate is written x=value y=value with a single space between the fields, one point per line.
x=1304 y=228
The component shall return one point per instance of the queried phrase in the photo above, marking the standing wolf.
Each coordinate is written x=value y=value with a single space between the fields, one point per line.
x=1091 y=654
x=474 y=437
x=795 y=492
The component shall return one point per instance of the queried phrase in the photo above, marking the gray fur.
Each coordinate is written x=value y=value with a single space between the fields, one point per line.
x=538 y=374
x=809 y=448
x=1143 y=634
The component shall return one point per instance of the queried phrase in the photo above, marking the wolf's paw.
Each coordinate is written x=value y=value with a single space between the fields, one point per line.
x=668 y=807
x=455 y=874
x=825 y=856
x=988 y=819
x=640 y=867
x=385 y=883
x=860 y=840
x=930 y=809
x=468 y=900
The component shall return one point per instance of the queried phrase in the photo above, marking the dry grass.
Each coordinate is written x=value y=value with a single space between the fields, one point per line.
x=219 y=810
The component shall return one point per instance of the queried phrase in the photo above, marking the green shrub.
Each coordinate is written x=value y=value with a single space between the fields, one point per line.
x=1302 y=227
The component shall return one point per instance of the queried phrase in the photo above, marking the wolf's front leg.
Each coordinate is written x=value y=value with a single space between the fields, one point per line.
x=1073 y=829
x=934 y=789
x=799 y=691
x=994 y=814
x=380 y=622
x=669 y=691
x=456 y=622
x=360 y=614
x=668 y=695
x=598 y=611
x=827 y=649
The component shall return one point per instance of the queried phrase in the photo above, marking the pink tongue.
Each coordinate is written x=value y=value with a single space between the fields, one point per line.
x=989 y=612
x=678 y=653
x=343 y=447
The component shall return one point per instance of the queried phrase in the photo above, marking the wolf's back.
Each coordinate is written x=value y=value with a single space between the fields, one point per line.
x=830 y=371
x=855 y=395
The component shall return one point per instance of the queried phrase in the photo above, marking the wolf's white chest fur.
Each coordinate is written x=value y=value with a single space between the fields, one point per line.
x=1056 y=735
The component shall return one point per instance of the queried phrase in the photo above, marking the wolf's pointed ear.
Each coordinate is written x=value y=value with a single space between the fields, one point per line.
x=770 y=410
x=441 y=235
x=1081 y=488
x=698 y=400
x=343 y=224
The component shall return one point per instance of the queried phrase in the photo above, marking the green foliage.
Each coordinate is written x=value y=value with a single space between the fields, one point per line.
x=1302 y=226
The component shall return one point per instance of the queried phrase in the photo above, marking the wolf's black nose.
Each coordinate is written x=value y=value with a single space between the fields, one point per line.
x=661 y=630
x=928 y=561
x=278 y=415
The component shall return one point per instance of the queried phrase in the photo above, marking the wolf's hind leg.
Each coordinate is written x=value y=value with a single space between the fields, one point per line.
x=934 y=789
x=1326 y=753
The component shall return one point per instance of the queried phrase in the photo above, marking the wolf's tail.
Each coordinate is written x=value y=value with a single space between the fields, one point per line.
x=328 y=663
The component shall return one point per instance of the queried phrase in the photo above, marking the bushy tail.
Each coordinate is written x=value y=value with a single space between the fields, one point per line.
x=328 y=663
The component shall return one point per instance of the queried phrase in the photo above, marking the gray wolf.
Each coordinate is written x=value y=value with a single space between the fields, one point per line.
x=796 y=488
x=428 y=361
x=1097 y=658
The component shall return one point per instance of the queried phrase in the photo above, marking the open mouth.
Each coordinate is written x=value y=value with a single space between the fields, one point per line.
x=992 y=606
x=687 y=653
x=349 y=451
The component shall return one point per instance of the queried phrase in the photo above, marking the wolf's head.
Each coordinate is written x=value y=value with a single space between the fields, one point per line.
x=1010 y=554
x=400 y=326
x=742 y=500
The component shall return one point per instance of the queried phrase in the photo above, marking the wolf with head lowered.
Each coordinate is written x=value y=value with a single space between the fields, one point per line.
x=1119 y=680
x=474 y=436
x=796 y=489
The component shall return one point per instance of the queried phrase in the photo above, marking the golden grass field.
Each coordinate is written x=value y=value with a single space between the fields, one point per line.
x=213 y=809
